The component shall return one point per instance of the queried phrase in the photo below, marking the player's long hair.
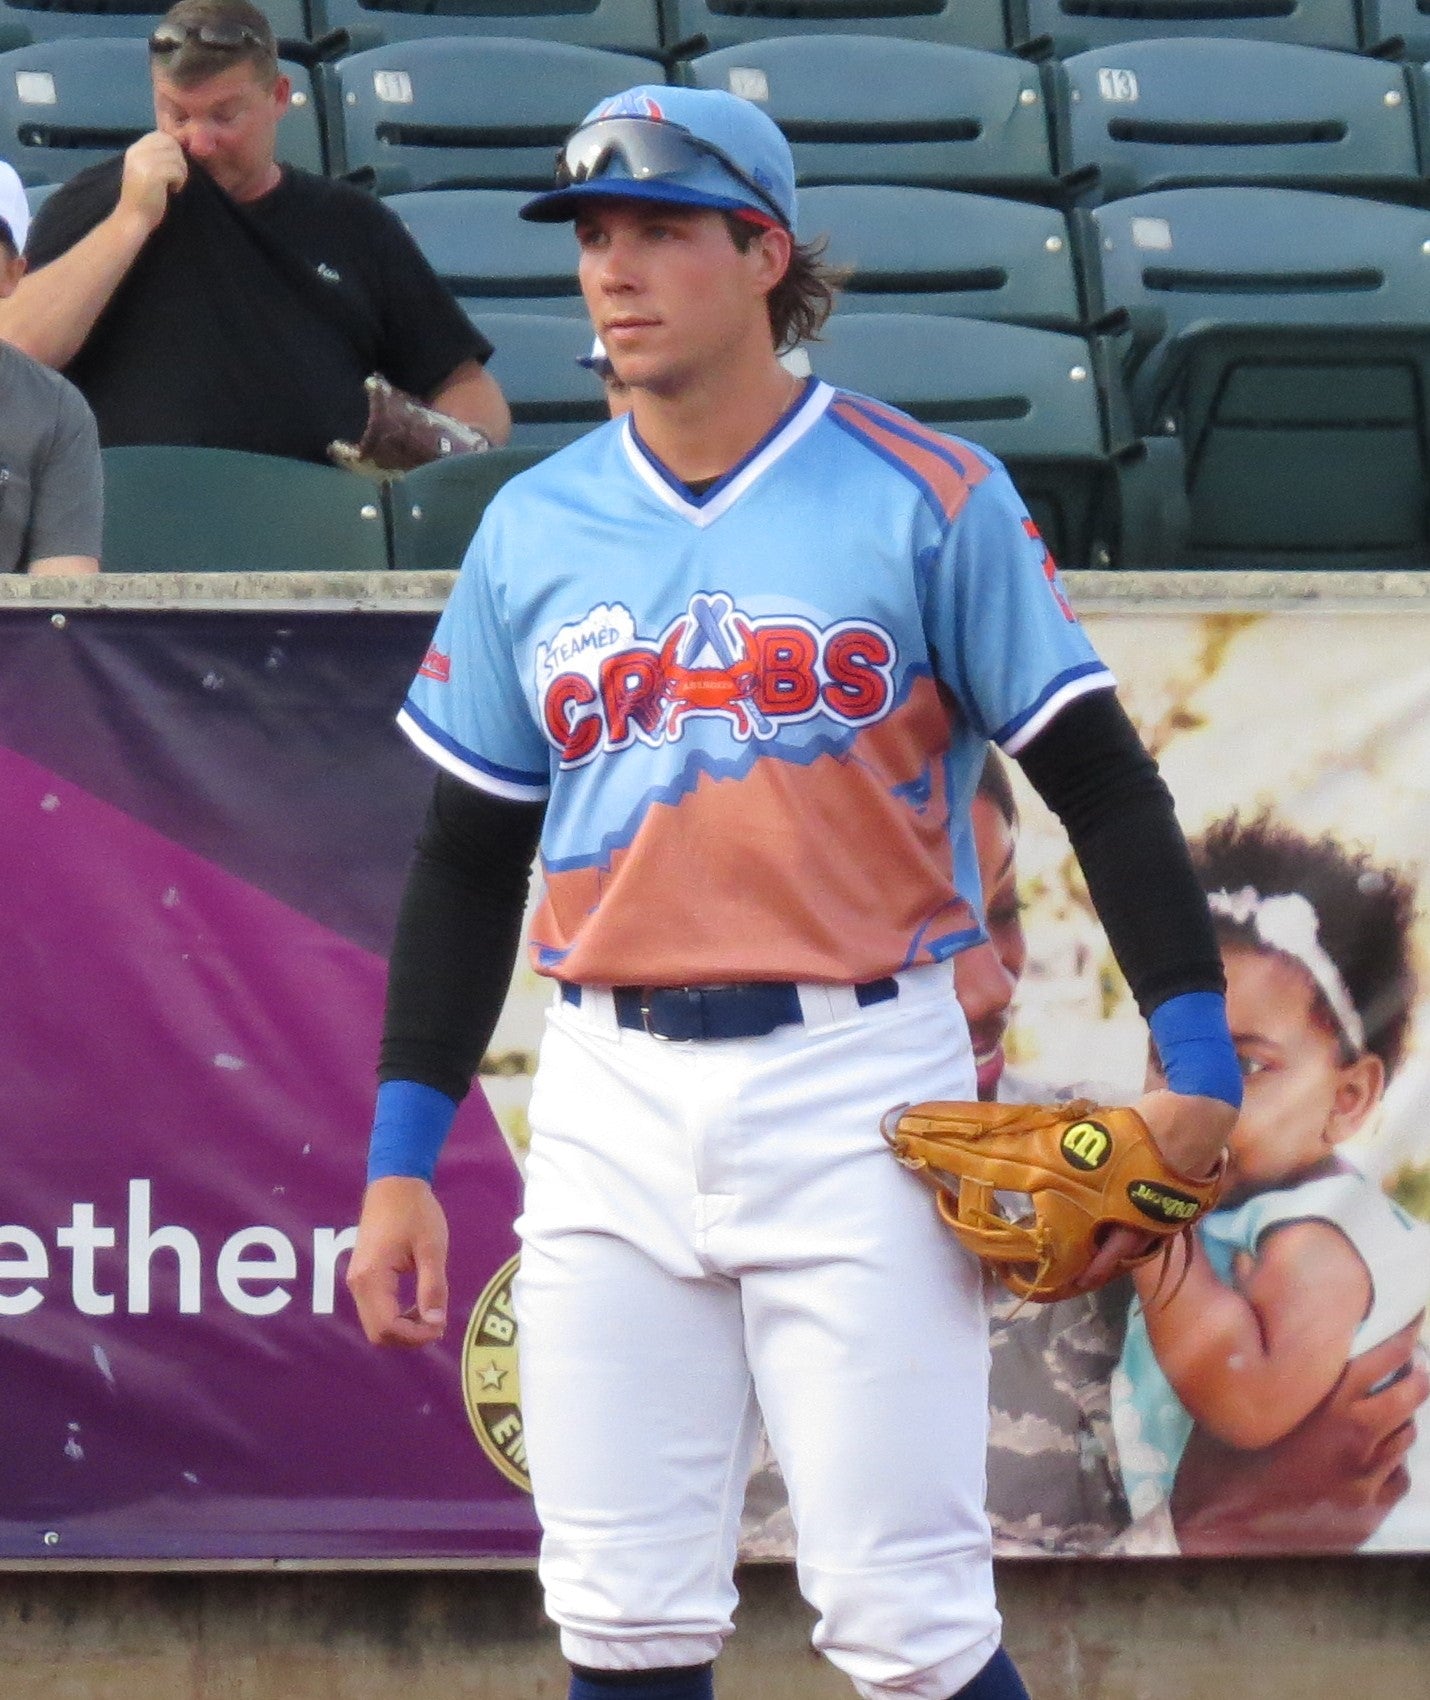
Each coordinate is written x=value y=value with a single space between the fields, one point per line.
x=1364 y=913
x=804 y=297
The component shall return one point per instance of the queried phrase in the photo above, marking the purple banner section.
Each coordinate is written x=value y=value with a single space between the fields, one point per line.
x=205 y=824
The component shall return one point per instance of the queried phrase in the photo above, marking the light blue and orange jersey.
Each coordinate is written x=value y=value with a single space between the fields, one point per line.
x=757 y=716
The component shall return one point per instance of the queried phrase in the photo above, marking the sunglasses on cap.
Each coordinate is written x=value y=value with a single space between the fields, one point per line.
x=649 y=147
x=220 y=38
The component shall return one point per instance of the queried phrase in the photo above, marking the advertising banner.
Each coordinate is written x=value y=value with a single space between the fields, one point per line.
x=206 y=821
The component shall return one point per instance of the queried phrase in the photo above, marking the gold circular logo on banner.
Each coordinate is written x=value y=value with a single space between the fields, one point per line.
x=489 y=1380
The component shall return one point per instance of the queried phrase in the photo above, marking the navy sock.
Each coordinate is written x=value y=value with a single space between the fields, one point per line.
x=683 y=1682
x=998 y=1680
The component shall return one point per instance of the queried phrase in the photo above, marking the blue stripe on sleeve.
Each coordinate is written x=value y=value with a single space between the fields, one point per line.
x=439 y=735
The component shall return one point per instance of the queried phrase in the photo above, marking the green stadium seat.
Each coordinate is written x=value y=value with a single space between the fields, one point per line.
x=630 y=26
x=1028 y=396
x=22 y=24
x=222 y=510
x=726 y=23
x=941 y=251
x=1067 y=27
x=1404 y=22
x=1280 y=336
x=1156 y=114
x=490 y=259
x=436 y=508
x=71 y=102
x=553 y=399
x=464 y=112
x=870 y=109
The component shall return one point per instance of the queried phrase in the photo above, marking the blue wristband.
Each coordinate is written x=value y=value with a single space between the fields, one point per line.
x=1194 y=1044
x=408 y=1129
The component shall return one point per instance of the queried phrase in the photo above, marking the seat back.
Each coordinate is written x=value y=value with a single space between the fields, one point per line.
x=1150 y=114
x=71 y=102
x=724 y=23
x=192 y=510
x=866 y=109
x=1078 y=26
x=631 y=26
x=464 y=112
x=1028 y=396
x=1282 y=337
x=490 y=259
x=553 y=398
x=22 y=24
x=941 y=251
x=436 y=508
x=1405 y=21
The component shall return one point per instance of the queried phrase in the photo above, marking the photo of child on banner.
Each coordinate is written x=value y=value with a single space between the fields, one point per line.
x=1306 y=1264
x=1072 y=1465
x=1290 y=1415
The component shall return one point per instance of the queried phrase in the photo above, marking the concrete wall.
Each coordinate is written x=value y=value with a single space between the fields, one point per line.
x=1125 y=1630
x=1257 y=592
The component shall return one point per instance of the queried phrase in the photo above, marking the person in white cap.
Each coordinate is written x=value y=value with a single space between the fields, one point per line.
x=51 y=488
x=735 y=658
x=14 y=207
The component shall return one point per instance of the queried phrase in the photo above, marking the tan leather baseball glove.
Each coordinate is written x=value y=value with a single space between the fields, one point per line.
x=1030 y=1189
x=402 y=432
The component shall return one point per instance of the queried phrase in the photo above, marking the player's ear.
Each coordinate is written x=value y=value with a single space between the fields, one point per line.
x=775 y=249
x=1359 y=1088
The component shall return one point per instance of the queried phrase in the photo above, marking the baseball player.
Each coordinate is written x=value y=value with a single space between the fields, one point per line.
x=734 y=659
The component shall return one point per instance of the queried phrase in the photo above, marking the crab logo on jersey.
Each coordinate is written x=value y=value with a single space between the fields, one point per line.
x=755 y=673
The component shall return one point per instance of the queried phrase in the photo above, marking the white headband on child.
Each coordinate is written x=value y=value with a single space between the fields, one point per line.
x=1288 y=923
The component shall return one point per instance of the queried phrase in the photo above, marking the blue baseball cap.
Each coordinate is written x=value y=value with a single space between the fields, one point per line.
x=687 y=147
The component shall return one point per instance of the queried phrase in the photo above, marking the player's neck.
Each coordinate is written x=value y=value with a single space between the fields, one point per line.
x=700 y=429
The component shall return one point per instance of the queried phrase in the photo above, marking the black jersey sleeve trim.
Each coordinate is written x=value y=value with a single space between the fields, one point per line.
x=1093 y=771
x=458 y=930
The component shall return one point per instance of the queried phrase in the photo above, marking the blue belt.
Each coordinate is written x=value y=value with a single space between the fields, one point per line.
x=745 y=1011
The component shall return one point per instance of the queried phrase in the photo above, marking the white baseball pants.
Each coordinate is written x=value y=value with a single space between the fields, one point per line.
x=714 y=1226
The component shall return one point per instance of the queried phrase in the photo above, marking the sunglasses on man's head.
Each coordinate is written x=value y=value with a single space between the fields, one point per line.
x=220 y=38
x=650 y=147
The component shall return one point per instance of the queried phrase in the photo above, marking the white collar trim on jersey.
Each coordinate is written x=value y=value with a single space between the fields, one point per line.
x=721 y=497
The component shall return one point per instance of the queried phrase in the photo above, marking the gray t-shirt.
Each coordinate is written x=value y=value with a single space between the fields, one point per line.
x=51 y=489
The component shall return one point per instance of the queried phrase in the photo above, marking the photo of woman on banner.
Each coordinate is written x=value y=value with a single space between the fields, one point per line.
x=1306 y=1264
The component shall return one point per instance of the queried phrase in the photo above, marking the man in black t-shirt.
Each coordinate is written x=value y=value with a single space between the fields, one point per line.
x=197 y=291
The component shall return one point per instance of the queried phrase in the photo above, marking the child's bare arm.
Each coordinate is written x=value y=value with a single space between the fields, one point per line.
x=1250 y=1361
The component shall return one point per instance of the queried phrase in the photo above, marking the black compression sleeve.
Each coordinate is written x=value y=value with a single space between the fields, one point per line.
x=1091 y=769
x=457 y=935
